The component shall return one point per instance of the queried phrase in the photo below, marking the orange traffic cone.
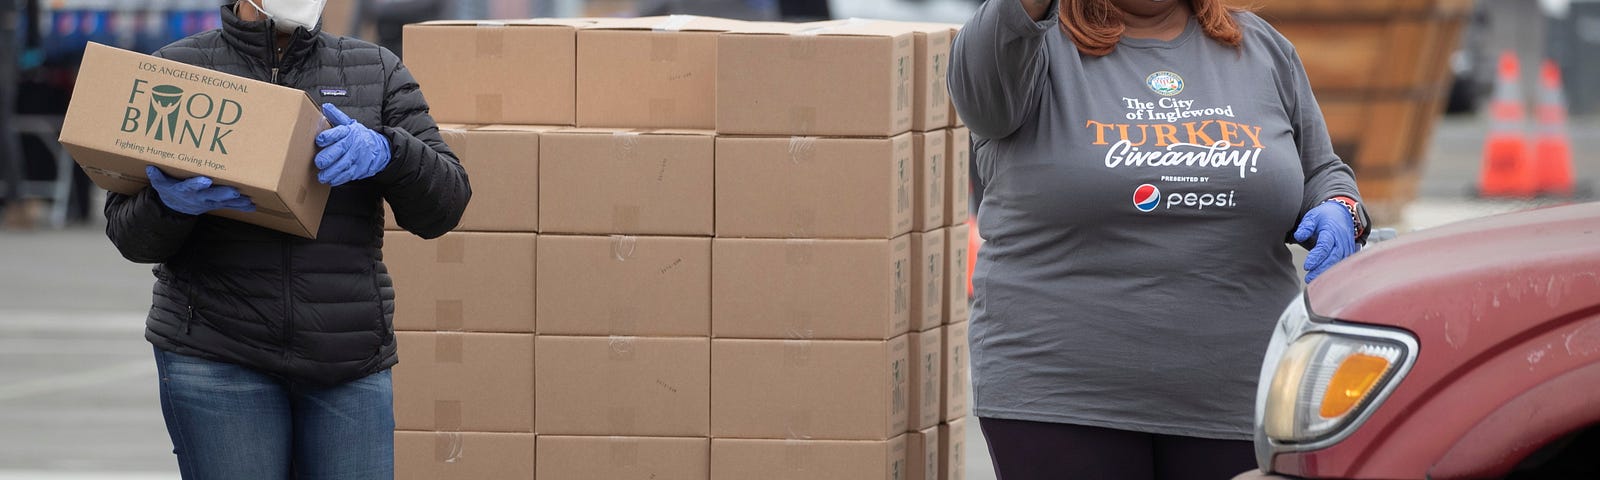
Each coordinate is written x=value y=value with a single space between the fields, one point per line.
x=1507 y=170
x=1552 y=151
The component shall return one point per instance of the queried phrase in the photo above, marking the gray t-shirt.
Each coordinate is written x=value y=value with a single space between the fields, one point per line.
x=1135 y=209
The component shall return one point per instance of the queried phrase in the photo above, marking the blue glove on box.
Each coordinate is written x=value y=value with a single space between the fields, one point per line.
x=350 y=150
x=197 y=195
x=1334 y=230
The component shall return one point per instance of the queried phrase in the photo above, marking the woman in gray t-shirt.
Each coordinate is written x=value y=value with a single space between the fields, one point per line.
x=1139 y=167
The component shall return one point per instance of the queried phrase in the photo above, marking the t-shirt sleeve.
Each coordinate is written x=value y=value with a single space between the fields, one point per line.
x=1326 y=176
x=997 y=68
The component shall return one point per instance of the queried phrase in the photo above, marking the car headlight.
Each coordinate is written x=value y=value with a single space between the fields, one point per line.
x=1321 y=379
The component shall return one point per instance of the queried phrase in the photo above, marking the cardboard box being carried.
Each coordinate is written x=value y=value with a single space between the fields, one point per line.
x=132 y=110
x=733 y=459
x=644 y=458
x=805 y=187
x=518 y=72
x=475 y=282
x=462 y=455
x=653 y=72
x=847 y=390
x=619 y=285
x=841 y=78
x=481 y=382
x=598 y=182
x=624 y=386
x=811 y=289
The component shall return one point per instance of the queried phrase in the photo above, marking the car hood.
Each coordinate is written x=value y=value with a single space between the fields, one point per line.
x=1534 y=265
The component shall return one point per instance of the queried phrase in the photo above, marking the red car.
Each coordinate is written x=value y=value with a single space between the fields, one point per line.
x=1465 y=351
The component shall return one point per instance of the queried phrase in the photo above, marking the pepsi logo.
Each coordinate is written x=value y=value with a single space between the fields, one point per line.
x=1147 y=197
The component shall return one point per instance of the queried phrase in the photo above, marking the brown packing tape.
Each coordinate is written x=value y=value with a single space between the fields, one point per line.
x=450 y=249
x=625 y=218
x=663 y=47
x=448 y=347
x=491 y=41
x=663 y=110
x=447 y=415
x=624 y=451
x=447 y=447
x=803 y=119
x=449 y=315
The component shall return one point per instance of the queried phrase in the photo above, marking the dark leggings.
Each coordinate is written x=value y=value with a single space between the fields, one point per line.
x=1024 y=450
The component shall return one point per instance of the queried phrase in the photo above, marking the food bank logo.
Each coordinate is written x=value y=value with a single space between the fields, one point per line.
x=166 y=113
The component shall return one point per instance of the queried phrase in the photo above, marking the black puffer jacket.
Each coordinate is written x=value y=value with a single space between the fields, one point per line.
x=309 y=310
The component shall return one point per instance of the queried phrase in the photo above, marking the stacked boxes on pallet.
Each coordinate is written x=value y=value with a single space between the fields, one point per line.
x=634 y=294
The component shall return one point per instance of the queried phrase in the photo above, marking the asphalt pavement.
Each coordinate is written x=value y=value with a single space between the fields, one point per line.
x=78 y=396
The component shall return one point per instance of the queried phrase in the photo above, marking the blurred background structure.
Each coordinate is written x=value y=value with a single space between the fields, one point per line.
x=1424 y=110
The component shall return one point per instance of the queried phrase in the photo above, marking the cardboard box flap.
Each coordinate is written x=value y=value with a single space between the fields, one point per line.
x=855 y=27
x=532 y=22
x=925 y=27
x=634 y=131
x=670 y=23
x=516 y=128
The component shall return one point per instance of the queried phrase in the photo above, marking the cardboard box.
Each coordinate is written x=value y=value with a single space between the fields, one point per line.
x=955 y=119
x=612 y=181
x=585 y=458
x=623 y=386
x=842 y=78
x=814 y=187
x=926 y=405
x=502 y=161
x=922 y=454
x=931 y=105
x=927 y=280
x=811 y=289
x=647 y=286
x=845 y=390
x=653 y=72
x=475 y=282
x=132 y=110
x=953 y=450
x=957 y=209
x=515 y=72
x=733 y=459
x=956 y=362
x=958 y=242
x=928 y=154
x=481 y=382
x=462 y=455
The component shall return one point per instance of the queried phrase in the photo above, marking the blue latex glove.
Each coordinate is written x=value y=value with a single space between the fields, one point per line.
x=1335 y=232
x=350 y=150
x=197 y=195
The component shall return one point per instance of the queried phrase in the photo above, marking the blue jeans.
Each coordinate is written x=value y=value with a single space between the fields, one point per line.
x=230 y=422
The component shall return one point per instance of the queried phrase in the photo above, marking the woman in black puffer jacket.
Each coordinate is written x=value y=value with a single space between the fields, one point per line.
x=274 y=351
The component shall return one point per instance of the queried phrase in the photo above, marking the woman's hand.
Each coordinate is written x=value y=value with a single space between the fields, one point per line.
x=1335 y=232
x=1037 y=9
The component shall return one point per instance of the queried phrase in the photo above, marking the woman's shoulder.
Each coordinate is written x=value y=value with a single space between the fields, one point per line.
x=1258 y=30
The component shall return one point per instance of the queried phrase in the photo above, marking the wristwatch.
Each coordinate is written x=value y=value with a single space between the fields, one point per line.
x=1354 y=208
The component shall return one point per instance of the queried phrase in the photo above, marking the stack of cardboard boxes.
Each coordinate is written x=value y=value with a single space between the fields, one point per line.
x=779 y=297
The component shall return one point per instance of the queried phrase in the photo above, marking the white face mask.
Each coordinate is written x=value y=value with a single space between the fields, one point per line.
x=287 y=15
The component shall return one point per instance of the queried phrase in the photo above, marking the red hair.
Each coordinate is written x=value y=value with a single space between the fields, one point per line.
x=1095 y=26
